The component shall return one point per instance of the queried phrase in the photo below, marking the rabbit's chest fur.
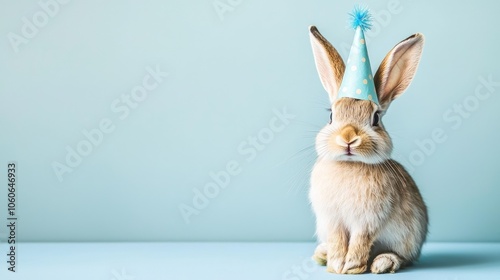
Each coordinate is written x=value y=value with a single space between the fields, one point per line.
x=353 y=195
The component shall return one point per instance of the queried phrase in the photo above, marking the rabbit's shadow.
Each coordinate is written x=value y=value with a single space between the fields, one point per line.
x=453 y=260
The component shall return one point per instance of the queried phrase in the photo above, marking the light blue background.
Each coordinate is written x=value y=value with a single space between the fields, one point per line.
x=226 y=78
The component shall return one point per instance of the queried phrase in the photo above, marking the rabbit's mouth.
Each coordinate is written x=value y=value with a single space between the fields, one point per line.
x=348 y=151
x=349 y=155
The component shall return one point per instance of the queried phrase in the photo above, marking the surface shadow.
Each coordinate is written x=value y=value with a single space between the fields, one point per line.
x=453 y=260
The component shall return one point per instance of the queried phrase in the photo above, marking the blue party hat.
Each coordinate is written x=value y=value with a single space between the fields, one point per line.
x=358 y=79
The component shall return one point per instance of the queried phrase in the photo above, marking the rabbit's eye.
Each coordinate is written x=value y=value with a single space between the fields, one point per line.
x=376 y=119
x=330 y=117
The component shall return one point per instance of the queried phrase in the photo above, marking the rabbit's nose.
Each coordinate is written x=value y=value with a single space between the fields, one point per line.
x=348 y=137
x=356 y=141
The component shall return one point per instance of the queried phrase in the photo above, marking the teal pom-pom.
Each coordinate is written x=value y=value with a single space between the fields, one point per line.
x=361 y=17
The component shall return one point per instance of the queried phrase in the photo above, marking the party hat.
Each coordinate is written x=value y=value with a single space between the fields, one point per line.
x=358 y=79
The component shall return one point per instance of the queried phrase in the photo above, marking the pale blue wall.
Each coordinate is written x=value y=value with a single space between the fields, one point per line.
x=227 y=78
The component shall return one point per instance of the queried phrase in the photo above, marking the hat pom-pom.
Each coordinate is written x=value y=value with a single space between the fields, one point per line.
x=361 y=17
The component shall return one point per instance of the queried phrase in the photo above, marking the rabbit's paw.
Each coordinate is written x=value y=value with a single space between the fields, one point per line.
x=384 y=263
x=320 y=254
x=335 y=265
x=319 y=259
x=354 y=267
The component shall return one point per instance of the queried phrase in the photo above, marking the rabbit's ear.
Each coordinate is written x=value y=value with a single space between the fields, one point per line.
x=329 y=64
x=398 y=69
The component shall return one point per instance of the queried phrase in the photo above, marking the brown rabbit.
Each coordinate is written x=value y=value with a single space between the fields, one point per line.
x=368 y=209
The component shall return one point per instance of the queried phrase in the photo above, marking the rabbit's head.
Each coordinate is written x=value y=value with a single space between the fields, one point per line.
x=355 y=131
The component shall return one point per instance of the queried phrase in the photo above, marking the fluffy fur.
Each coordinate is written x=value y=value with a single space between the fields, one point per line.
x=369 y=211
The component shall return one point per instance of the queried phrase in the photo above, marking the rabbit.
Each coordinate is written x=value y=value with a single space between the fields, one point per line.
x=369 y=211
